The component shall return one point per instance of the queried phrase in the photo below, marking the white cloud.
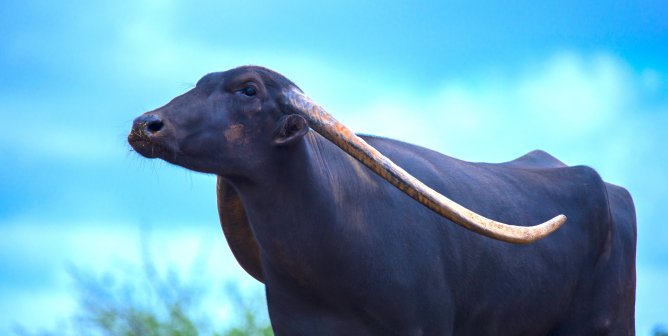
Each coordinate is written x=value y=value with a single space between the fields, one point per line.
x=583 y=93
x=562 y=101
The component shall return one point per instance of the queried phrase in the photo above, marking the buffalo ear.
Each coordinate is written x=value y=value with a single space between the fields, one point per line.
x=290 y=129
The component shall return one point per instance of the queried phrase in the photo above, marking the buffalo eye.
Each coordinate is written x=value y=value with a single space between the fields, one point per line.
x=249 y=91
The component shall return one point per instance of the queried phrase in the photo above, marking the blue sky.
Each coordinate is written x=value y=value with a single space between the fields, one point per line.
x=481 y=81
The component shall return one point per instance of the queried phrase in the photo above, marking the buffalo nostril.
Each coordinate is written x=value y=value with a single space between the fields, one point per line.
x=154 y=126
x=147 y=125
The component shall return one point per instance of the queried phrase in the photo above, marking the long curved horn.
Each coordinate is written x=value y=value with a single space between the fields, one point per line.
x=327 y=126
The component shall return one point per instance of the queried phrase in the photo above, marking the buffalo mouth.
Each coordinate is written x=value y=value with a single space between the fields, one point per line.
x=148 y=148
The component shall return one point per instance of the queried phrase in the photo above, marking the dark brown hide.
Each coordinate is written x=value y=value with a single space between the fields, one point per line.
x=237 y=230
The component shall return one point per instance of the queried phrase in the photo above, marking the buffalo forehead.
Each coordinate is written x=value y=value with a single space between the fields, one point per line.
x=210 y=78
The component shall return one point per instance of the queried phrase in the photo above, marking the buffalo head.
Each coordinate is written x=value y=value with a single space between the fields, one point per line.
x=238 y=122
x=229 y=124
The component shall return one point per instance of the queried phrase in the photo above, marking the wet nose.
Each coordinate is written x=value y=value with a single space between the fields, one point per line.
x=148 y=124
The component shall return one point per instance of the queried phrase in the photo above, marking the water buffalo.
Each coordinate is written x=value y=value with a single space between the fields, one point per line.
x=349 y=241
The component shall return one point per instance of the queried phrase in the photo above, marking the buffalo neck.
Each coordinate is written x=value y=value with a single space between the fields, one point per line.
x=291 y=208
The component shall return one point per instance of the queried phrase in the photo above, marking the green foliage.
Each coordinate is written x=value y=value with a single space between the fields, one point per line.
x=251 y=322
x=141 y=301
